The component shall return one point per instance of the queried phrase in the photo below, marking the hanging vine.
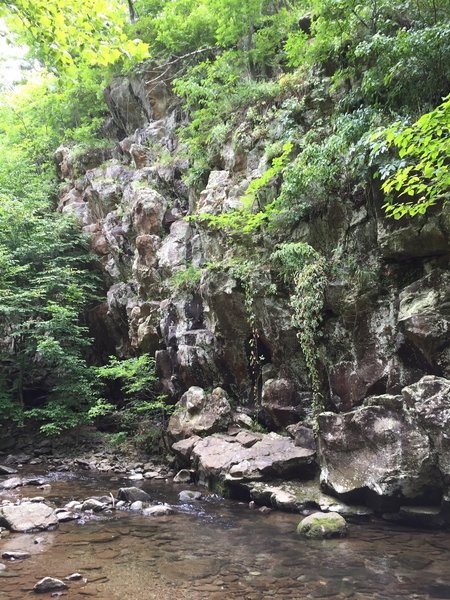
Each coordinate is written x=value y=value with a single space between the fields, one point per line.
x=307 y=268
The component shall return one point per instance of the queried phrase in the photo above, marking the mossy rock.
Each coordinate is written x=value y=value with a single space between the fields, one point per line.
x=322 y=525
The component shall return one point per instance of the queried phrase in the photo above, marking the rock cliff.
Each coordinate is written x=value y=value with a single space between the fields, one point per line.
x=385 y=332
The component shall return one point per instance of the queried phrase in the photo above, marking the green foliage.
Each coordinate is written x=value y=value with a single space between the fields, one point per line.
x=187 y=279
x=306 y=268
x=144 y=414
x=332 y=162
x=393 y=53
x=136 y=375
x=44 y=113
x=422 y=176
x=45 y=287
x=67 y=34
x=174 y=27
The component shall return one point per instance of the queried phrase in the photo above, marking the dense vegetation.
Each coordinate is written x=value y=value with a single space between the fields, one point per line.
x=337 y=91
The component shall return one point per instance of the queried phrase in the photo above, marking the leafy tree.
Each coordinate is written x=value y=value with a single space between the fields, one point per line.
x=73 y=32
x=45 y=286
x=422 y=177
x=393 y=53
x=46 y=280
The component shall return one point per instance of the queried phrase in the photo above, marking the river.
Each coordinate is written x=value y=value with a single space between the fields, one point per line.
x=218 y=549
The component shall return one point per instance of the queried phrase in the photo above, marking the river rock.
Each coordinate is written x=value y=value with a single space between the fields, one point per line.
x=159 y=510
x=15 y=555
x=200 y=413
x=37 y=481
x=49 y=584
x=74 y=577
x=93 y=504
x=137 y=506
x=183 y=476
x=133 y=494
x=4 y=470
x=27 y=517
x=64 y=516
x=189 y=496
x=11 y=483
x=322 y=525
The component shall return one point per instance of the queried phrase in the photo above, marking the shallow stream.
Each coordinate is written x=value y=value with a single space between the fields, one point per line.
x=218 y=549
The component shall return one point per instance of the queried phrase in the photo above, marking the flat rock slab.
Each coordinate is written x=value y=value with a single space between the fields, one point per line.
x=240 y=459
x=28 y=516
x=160 y=510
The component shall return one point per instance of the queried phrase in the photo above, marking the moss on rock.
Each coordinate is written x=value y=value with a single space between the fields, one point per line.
x=322 y=525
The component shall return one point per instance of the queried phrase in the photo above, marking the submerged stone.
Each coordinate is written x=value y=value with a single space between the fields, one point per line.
x=322 y=525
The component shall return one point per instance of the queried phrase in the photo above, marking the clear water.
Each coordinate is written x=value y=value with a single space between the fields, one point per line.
x=218 y=549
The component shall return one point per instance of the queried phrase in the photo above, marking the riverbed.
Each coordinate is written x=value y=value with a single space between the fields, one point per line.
x=217 y=549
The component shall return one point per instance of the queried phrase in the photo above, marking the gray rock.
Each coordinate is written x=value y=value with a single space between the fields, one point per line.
x=424 y=320
x=28 y=517
x=93 y=504
x=137 y=506
x=281 y=402
x=222 y=457
x=74 y=577
x=159 y=510
x=49 y=584
x=15 y=555
x=189 y=496
x=64 y=516
x=4 y=470
x=133 y=494
x=322 y=525
x=183 y=476
x=183 y=448
x=12 y=483
x=37 y=481
x=200 y=413
x=394 y=447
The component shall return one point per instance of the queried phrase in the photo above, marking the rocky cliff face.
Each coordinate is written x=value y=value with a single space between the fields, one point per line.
x=386 y=319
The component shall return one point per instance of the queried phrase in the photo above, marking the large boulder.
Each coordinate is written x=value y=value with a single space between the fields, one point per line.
x=28 y=516
x=200 y=413
x=249 y=456
x=393 y=448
